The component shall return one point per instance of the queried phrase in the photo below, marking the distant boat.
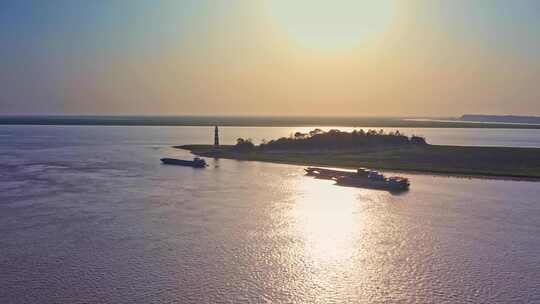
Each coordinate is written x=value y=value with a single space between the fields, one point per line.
x=195 y=163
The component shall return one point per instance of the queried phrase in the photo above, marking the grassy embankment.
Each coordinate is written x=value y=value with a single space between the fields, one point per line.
x=453 y=160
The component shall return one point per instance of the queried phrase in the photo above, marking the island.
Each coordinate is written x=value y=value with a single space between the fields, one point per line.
x=383 y=151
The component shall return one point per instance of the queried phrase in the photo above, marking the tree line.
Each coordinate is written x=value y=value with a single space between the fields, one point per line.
x=333 y=139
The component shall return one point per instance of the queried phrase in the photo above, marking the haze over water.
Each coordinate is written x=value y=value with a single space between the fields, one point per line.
x=89 y=215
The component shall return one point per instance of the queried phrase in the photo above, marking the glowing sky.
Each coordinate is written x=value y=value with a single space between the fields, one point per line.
x=275 y=57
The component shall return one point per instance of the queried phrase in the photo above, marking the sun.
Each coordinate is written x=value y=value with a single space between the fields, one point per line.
x=332 y=24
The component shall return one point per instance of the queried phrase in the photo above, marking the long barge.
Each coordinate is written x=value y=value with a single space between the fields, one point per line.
x=195 y=163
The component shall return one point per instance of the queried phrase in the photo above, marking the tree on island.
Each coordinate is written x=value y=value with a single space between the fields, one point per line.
x=418 y=140
x=244 y=145
x=300 y=135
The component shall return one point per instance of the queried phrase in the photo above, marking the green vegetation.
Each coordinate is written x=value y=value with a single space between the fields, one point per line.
x=378 y=153
x=339 y=140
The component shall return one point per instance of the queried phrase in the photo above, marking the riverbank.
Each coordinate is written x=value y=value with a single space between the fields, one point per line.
x=251 y=121
x=494 y=162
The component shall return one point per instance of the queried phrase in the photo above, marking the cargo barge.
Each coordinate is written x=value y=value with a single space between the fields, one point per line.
x=363 y=178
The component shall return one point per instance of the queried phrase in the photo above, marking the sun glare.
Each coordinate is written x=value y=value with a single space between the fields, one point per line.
x=326 y=220
x=331 y=25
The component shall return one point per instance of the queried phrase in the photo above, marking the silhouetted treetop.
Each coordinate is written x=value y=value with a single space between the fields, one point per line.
x=244 y=145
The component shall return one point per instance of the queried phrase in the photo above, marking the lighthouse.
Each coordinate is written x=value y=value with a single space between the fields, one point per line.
x=216 y=137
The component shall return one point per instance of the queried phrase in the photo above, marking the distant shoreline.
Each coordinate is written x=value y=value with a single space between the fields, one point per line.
x=512 y=119
x=256 y=121
x=428 y=160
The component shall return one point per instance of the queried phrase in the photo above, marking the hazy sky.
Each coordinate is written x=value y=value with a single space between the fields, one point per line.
x=275 y=57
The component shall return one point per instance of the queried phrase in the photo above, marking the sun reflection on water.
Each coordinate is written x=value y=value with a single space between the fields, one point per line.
x=339 y=237
x=327 y=218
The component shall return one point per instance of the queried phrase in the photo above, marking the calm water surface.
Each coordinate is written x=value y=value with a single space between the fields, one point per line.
x=88 y=215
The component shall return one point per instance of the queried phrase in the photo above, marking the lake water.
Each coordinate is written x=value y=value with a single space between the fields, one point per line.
x=88 y=215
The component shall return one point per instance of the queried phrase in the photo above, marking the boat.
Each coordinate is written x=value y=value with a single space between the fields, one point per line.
x=375 y=180
x=195 y=163
x=363 y=178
